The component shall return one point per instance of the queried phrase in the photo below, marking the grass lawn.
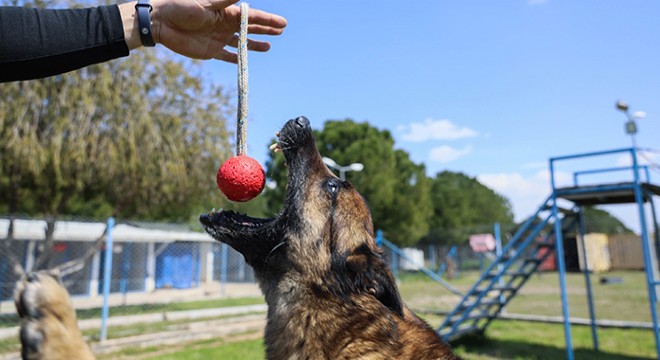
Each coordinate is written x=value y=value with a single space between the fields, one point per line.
x=12 y=344
x=242 y=350
x=95 y=313
x=626 y=300
x=516 y=339
x=504 y=340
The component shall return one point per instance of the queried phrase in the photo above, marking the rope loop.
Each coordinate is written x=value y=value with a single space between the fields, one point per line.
x=241 y=126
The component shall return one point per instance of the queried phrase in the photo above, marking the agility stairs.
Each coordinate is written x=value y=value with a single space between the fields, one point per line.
x=524 y=253
x=500 y=283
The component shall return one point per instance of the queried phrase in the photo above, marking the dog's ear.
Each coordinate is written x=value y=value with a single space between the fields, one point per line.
x=386 y=291
x=373 y=276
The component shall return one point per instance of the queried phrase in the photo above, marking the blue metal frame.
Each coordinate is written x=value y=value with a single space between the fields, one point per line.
x=107 y=277
x=650 y=277
x=640 y=197
x=476 y=299
x=498 y=252
x=450 y=254
x=587 y=280
x=561 y=264
x=125 y=267
x=224 y=255
x=465 y=310
x=396 y=252
x=606 y=170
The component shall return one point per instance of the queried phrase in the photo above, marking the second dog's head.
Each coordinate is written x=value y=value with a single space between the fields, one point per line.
x=324 y=230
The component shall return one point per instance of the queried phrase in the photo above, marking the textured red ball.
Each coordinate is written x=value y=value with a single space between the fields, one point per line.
x=241 y=178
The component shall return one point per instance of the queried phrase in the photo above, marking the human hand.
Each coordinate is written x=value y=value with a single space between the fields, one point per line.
x=201 y=29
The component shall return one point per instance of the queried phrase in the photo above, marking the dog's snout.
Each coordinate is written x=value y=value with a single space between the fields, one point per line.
x=302 y=122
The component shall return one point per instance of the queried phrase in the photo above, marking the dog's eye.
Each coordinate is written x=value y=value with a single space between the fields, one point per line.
x=332 y=186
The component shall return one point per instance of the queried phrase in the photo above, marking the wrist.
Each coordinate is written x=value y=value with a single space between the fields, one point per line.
x=155 y=20
x=130 y=24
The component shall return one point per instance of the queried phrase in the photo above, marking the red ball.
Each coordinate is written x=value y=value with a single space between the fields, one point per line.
x=241 y=178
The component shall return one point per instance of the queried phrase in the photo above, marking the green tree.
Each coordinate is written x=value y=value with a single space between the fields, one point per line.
x=601 y=221
x=463 y=206
x=396 y=189
x=133 y=138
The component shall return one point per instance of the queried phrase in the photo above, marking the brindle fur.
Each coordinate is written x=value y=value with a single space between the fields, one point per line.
x=329 y=291
x=49 y=330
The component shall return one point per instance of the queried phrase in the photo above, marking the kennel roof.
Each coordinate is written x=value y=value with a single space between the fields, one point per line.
x=27 y=230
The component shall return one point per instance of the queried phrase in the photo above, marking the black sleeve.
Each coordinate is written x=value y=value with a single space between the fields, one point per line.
x=36 y=43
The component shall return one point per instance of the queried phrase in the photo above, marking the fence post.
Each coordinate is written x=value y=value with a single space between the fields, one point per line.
x=498 y=253
x=107 y=277
x=223 y=267
x=433 y=263
x=395 y=264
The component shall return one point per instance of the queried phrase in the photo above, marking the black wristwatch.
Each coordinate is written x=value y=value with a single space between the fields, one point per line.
x=143 y=9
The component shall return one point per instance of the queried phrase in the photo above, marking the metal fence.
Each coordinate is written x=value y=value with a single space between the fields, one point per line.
x=150 y=268
x=164 y=268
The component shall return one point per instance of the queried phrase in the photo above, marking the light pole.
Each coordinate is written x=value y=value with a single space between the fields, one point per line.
x=342 y=169
x=631 y=125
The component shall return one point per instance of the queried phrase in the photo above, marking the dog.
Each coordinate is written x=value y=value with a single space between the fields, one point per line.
x=329 y=291
x=49 y=330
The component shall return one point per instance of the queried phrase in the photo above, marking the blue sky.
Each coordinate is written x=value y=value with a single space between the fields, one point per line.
x=488 y=88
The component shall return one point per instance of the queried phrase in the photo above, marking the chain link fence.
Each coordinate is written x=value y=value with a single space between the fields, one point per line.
x=159 y=274
x=163 y=276
x=616 y=284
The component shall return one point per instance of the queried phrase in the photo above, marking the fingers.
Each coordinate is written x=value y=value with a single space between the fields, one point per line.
x=264 y=30
x=255 y=16
x=227 y=56
x=258 y=17
x=254 y=45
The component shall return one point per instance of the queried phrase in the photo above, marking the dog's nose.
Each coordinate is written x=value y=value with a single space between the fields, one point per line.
x=32 y=277
x=302 y=121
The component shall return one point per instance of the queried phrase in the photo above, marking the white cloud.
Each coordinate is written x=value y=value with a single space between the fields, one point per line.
x=527 y=192
x=524 y=193
x=442 y=129
x=643 y=158
x=446 y=153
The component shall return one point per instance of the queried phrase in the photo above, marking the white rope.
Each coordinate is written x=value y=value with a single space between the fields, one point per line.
x=241 y=126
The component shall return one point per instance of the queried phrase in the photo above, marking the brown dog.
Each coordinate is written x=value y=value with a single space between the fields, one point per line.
x=48 y=322
x=330 y=294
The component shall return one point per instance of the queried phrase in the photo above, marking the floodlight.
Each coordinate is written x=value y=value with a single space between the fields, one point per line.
x=622 y=105
x=331 y=163
x=356 y=166
x=639 y=114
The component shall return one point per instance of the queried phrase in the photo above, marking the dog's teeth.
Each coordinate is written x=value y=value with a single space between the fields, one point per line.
x=277 y=149
x=273 y=146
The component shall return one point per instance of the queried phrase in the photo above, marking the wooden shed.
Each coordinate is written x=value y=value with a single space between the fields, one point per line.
x=626 y=252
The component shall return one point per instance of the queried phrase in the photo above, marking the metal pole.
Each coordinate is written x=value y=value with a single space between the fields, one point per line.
x=107 y=277
x=395 y=264
x=587 y=279
x=498 y=253
x=223 y=267
x=651 y=283
x=559 y=248
x=655 y=228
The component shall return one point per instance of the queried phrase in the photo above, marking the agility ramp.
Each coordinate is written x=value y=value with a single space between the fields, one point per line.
x=524 y=253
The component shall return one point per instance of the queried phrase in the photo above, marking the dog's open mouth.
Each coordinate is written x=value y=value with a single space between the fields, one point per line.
x=295 y=134
x=232 y=220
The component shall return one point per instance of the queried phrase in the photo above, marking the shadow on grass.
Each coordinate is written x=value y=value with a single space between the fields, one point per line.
x=511 y=349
